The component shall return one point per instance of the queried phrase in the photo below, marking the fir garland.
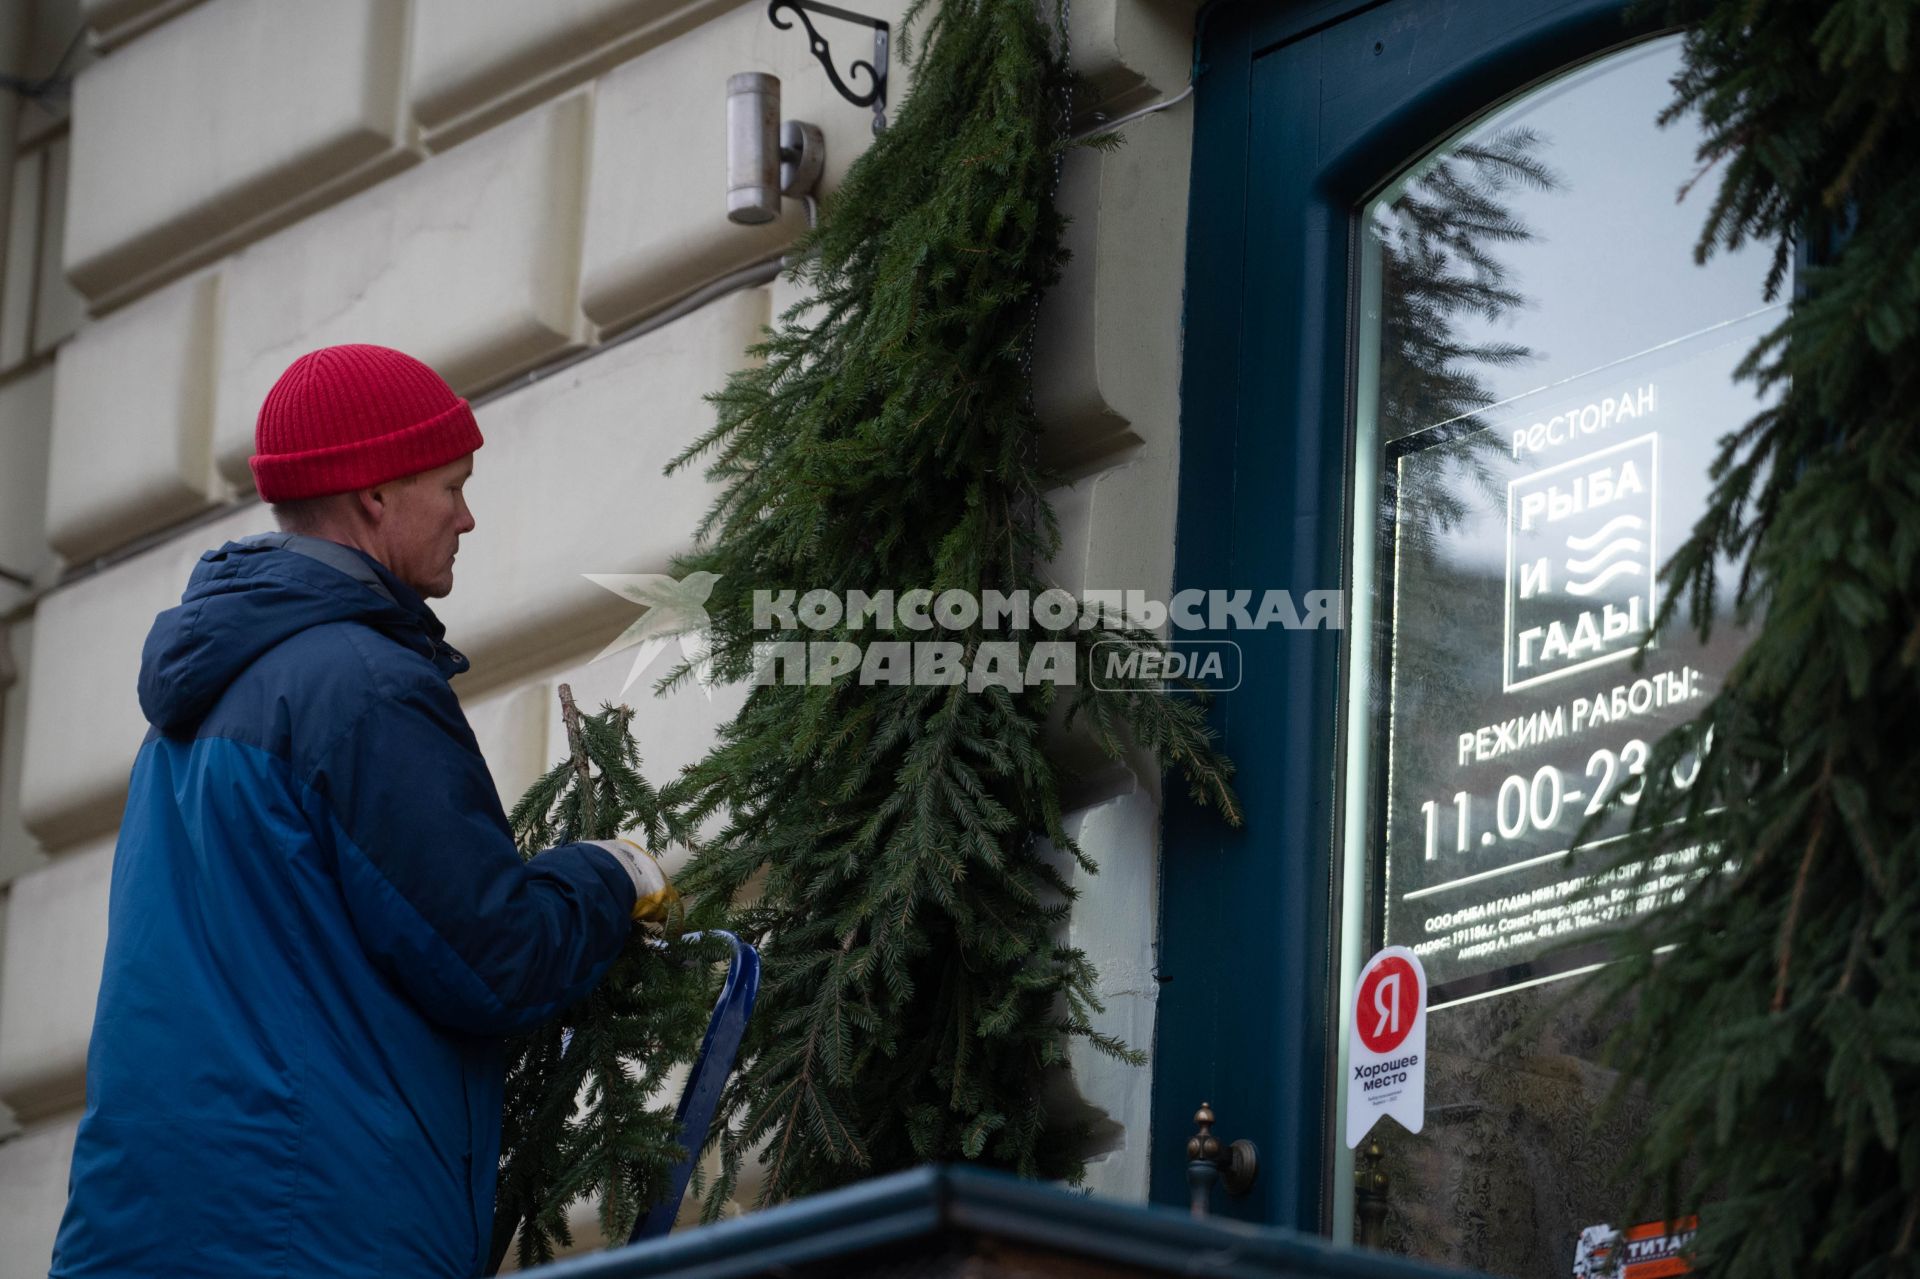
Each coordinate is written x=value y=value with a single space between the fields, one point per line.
x=1780 y=1039
x=578 y=1122
x=887 y=839
x=915 y=1003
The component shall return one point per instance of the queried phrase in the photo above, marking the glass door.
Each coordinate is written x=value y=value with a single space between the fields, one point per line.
x=1541 y=375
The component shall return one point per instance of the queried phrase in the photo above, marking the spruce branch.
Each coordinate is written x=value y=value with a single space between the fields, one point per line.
x=1772 y=1014
x=582 y=1114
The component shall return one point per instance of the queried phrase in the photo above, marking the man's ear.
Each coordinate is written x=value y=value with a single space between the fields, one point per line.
x=371 y=503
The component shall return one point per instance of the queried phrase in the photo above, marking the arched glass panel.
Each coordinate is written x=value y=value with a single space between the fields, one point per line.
x=1544 y=375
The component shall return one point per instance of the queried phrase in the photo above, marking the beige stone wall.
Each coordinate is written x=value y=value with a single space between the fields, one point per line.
x=495 y=186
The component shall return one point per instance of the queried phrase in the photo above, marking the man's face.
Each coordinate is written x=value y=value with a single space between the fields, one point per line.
x=419 y=531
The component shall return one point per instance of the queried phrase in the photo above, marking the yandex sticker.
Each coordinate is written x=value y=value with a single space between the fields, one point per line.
x=1387 y=1057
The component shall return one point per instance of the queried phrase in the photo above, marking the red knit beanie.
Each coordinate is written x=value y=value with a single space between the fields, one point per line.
x=349 y=417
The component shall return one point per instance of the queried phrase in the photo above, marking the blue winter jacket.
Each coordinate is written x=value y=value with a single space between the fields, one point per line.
x=318 y=931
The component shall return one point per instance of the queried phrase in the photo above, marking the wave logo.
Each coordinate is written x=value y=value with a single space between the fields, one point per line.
x=1581 y=562
x=1611 y=553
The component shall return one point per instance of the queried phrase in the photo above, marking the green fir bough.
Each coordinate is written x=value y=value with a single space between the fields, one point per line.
x=580 y=1117
x=888 y=841
x=1780 y=1039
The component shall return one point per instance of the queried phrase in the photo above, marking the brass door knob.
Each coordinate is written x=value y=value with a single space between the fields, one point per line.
x=1234 y=1165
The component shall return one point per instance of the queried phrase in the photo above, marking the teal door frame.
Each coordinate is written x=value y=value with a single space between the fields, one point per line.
x=1301 y=112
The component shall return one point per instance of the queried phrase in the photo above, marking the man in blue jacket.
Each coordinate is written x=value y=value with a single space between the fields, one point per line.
x=319 y=927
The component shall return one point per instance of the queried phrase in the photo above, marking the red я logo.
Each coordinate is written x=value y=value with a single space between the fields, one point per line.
x=1389 y=1000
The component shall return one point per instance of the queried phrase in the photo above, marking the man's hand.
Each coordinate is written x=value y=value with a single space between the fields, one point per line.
x=654 y=898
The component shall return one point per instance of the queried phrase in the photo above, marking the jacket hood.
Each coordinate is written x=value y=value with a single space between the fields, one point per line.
x=250 y=595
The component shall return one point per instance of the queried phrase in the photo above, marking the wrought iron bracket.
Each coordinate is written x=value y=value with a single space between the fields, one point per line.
x=875 y=97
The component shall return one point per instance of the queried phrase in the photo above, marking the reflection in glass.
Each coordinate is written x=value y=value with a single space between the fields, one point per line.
x=1439 y=247
x=1545 y=374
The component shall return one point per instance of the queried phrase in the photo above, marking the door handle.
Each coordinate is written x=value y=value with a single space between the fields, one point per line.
x=1234 y=1166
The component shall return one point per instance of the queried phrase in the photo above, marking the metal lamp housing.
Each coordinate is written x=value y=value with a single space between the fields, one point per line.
x=753 y=147
x=766 y=158
x=803 y=157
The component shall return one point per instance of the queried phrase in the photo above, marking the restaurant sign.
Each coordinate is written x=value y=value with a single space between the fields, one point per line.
x=1526 y=544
